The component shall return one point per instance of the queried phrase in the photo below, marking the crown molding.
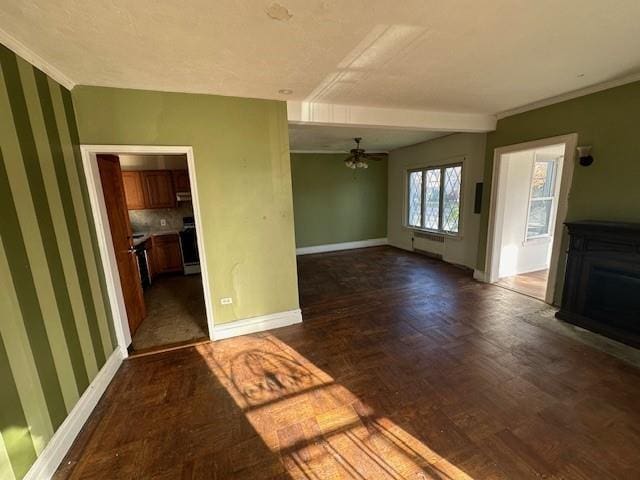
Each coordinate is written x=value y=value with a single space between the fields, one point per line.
x=34 y=59
x=598 y=87
x=341 y=152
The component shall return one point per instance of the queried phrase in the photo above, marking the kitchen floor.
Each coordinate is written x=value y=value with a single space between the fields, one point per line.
x=175 y=312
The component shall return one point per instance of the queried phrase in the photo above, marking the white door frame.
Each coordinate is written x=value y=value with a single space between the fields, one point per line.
x=496 y=207
x=103 y=232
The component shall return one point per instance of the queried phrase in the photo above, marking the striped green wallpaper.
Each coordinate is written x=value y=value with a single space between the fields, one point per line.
x=55 y=328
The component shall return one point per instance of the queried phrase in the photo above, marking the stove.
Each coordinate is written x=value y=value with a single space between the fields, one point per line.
x=189 y=247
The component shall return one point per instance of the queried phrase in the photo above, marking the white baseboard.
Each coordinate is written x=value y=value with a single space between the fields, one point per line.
x=257 y=324
x=479 y=275
x=334 y=247
x=47 y=463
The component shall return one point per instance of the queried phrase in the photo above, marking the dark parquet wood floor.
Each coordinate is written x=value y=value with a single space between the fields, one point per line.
x=404 y=368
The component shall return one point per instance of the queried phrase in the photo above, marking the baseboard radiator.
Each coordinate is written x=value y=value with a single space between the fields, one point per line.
x=434 y=238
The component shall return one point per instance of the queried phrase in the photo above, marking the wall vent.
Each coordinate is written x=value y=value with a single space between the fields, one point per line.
x=433 y=237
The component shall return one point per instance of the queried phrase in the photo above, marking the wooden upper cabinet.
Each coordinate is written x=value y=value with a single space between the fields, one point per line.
x=133 y=192
x=158 y=189
x=181 y=181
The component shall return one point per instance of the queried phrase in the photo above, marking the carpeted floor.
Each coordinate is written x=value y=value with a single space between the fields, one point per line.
x=175 y=312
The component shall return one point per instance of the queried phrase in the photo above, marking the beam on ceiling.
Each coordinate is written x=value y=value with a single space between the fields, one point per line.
x=310 y=113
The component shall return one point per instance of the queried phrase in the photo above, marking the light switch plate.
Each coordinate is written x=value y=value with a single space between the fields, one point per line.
x=163 y=222
x=226 y=301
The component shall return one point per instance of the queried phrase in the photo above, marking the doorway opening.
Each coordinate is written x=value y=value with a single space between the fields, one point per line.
x=529 y=201
x=146 y=213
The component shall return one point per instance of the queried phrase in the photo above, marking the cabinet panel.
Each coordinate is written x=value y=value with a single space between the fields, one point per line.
x=158 y=189
x=166 y=253
x=151 y=260
x=133 y=191
x=181 y=181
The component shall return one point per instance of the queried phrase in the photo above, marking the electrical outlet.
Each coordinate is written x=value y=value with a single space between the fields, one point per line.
x=163 y=222
x=226 y=301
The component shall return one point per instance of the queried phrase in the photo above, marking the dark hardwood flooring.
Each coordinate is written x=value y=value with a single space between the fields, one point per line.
x=404 y=368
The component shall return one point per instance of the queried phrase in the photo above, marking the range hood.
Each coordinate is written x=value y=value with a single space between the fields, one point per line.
x=183 y=196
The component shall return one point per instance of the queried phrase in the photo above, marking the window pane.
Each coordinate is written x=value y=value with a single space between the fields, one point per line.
x=415 y=198
x=451 y=199
x=542 y=183
x=432 y=199
x=539 y=217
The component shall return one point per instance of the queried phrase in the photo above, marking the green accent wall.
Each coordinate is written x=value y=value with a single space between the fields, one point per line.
x=54 y=320
x=334 y=204
x=243 y=179
x=607 y=120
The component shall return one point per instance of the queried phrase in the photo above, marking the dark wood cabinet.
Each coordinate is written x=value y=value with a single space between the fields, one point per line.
x=158 y=189
x=602 y=280
x=154 y=188
x=165 y=253
x=181 y=181
x=133 y=191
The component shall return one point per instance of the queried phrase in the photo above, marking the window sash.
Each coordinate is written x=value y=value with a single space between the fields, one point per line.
x=551 y=171
x=441 y=191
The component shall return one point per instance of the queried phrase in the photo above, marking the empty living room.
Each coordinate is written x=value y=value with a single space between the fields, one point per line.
x=319 y=239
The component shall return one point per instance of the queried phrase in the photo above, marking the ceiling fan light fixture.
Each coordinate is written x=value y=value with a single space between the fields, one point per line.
x=358 y=157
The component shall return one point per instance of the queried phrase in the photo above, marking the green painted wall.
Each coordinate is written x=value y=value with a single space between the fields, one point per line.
x=54 y=318
x=607 y=120
x=243 y=178
x=334 y=204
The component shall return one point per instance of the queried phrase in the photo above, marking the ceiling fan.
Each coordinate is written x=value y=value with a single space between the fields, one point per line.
x=358 y=157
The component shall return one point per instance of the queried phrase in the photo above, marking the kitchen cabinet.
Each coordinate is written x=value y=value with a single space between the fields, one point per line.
x=181 y=181
x=133 y=191
x=151 y=264
x=165 y=253
x=158 y=189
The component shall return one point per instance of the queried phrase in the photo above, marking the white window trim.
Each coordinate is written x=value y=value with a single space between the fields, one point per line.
x=527 y=238
x=459 y=162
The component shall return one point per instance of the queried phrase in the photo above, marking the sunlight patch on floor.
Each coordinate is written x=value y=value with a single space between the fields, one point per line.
x=319 y=428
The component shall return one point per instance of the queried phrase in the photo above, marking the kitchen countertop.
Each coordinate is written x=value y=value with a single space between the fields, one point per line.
x=147 y=235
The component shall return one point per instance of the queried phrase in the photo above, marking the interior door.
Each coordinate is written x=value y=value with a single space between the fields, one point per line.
x=114 y=197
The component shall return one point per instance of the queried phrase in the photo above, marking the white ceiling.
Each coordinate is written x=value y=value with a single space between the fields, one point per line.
x=474 y=56
x=331 y=138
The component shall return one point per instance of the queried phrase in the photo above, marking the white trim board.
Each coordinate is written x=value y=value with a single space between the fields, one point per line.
x=257 y=324
x=312 y=113
x=479 y=275
x=338 y=152
x=496 y=207
x=47 y=463
x=20 y=49
x=598 y=87
x=105 y=244
x=334 y=247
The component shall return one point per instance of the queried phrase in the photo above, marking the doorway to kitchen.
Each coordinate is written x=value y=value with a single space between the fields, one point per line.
x=528 y=206
x=145 y=207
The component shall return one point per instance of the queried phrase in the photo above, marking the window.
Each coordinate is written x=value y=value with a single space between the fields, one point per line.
x=541 y=203
x=434 y=198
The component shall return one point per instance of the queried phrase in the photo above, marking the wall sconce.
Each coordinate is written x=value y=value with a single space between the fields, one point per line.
x=584 y=155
